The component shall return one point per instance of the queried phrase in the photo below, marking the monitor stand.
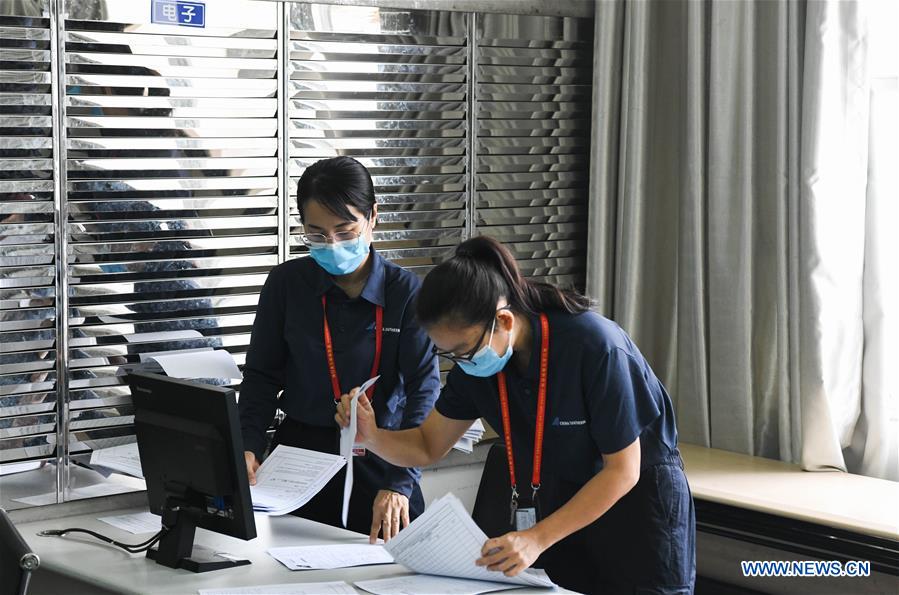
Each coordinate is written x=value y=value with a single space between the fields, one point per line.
x=177 y=550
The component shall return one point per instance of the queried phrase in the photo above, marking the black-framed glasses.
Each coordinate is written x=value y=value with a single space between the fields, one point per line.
x=468 y=355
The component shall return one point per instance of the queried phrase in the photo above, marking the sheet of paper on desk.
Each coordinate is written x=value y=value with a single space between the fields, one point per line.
x=347 y=439
x=445 y=541
x=139 y=522
x=124 y=459
x=332 y=588
x=426 y=584
x=329 y=557
x=290 y=477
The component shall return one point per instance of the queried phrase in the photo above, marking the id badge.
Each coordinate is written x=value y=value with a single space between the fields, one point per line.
x=525 y=518
x=358 y=451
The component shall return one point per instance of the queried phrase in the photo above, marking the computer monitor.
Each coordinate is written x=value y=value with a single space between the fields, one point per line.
x=191 y=453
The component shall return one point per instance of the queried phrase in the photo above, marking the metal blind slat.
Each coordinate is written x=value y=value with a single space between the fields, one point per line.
x=27 y=237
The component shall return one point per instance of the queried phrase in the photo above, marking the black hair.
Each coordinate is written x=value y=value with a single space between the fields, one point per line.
x=465 y=289
x=337 y=183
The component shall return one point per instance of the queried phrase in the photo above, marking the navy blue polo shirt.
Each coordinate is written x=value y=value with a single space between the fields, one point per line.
x=287 y=352
x=601 y=396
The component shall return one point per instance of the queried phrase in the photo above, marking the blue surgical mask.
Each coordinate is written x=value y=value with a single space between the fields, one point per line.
x=341 y=258
x=487 y=362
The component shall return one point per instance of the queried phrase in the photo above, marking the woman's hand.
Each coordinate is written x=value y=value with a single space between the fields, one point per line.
x=366 y=426
x=252 y=466
x=511 y=553
x=390 y=510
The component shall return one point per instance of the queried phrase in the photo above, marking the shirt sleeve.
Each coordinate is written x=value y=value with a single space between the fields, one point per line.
x=420 y=375
x=263 y=374
x=454 y=401
x=621 y=401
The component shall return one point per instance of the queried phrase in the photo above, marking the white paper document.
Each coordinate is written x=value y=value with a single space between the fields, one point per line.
x=199 y=364
x=347 y=440
x=426 y=584
x=332 y=588
x=139 y=522
x=10 y=468
x=124 y=459
x=329 y=557
x=163 y=336
x=290 y=477
x=445 y=541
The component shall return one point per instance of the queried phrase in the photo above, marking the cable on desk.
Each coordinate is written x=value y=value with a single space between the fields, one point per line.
x=131 y=548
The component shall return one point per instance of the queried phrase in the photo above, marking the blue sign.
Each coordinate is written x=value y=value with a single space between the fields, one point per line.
x=177 y=12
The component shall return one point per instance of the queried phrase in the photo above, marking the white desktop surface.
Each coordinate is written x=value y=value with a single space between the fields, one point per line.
x=91 y=561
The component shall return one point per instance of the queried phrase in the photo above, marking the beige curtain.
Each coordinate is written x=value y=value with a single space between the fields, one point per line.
x=728 y=213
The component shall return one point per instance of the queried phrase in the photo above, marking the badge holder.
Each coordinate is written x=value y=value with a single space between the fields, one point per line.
x=525 y=518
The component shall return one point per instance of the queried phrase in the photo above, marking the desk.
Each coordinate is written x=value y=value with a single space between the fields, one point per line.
x=865 y=505
x=102 y=568
x=752 y=508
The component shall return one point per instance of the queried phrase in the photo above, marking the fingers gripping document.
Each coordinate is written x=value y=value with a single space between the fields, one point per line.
x=290 y=477
x=445 y=541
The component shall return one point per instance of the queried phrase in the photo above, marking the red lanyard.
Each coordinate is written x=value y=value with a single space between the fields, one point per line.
x=541 y=413
x=329 y=350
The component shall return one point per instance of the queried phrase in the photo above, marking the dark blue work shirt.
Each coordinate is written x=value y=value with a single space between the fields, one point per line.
x=287 y=352
x=601 y=396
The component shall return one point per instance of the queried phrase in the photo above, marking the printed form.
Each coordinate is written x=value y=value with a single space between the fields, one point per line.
x=290 y=477
x=445 y=541
x=329 y=557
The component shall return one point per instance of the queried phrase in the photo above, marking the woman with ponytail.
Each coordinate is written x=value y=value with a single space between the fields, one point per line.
x=597 y=495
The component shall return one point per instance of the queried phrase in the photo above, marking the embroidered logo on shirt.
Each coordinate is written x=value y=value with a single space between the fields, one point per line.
x=569 y=422
x=386 y=329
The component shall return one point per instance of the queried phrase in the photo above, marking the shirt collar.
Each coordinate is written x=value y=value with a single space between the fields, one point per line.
x=374 y=288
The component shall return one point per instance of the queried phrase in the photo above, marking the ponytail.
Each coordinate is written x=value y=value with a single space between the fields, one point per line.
x=466 y=288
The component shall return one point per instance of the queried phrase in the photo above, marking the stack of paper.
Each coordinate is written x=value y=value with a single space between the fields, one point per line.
x=445 y=541
x=471 y=437
x=290 y=477
x=329 y=557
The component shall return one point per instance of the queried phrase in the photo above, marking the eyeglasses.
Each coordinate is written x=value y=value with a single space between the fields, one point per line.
x=468 y=355
x=320 y=239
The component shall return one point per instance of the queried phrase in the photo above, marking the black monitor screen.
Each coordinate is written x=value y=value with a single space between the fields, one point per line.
x=191 y=451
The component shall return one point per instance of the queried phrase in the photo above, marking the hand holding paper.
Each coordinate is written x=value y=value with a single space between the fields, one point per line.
x=348 y=443
x=364 y=414
x=445 y=541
